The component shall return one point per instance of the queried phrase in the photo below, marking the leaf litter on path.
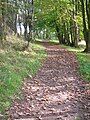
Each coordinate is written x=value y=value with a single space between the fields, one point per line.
x=57 y=92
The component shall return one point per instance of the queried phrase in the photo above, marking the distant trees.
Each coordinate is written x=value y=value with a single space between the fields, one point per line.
x=62 y=17
x=8 y=17
x=67 y=19
x=13 y=15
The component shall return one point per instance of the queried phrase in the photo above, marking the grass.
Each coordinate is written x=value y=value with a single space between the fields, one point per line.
x=54 y=41
x=84 y=61
x=14 y=67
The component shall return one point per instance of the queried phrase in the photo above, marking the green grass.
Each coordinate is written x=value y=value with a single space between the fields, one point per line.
x=14 y=67
x=84 y=61
x=54 y=41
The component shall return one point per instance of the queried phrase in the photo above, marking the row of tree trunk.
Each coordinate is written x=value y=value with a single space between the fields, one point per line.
x=11 y=15
x=69 y=32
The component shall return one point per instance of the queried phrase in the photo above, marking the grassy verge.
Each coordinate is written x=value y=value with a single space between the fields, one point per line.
x=14 y=67
x=84 y=61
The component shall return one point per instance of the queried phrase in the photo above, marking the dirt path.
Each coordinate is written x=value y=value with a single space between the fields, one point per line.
x=55 y=93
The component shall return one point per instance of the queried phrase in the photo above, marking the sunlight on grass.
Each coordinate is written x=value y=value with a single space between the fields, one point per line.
x=54 y=41
x=80 y=49
x=14 y=67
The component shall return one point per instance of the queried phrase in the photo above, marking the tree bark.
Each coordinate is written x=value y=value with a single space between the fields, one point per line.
x=85 y=29
x=59 y=35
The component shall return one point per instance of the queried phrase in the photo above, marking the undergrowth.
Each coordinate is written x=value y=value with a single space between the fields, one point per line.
x=14 y=67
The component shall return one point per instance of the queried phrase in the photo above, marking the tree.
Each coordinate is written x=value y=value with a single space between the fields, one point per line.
x=86 y=22
x=43 y=19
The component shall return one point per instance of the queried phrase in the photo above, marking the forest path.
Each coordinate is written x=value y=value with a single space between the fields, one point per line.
x=55 y=93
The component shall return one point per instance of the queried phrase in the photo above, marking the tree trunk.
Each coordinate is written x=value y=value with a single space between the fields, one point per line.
x=31 y=10
x=85 y=30
x=68 y=38
x=59 y=35
x=88 y=22
x=25 y=29
x=71 y=33
x=75 y=26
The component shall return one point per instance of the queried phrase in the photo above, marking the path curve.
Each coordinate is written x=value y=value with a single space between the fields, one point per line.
x=55 y=93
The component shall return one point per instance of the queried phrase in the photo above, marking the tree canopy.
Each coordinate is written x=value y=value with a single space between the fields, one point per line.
x=65 y=20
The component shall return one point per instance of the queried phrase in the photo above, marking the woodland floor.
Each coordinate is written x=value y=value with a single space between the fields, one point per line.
x=56 y=92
